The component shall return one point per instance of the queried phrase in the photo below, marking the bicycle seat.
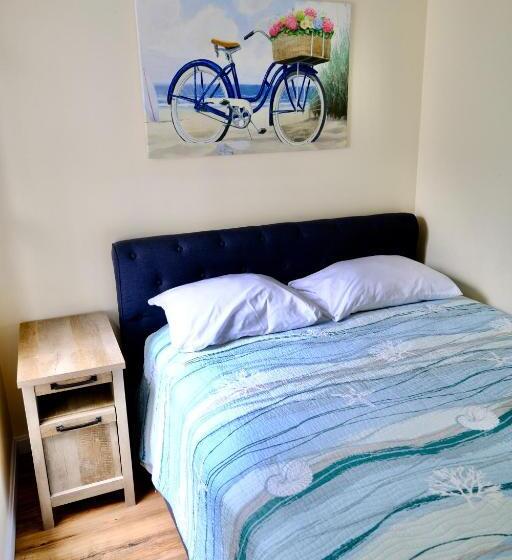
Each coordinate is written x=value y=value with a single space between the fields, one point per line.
x=225 y=44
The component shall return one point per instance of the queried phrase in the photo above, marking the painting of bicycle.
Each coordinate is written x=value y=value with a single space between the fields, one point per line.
x=228 y=77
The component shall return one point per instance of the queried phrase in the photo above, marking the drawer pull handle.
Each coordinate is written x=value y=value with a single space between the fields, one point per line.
x=62 y=428
x=60 y=386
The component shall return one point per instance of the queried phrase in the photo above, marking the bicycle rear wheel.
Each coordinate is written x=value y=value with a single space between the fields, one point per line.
x=299 y=108
x=199 y=125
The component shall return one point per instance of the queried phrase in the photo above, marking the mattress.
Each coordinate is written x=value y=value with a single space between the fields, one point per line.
x=385 y=436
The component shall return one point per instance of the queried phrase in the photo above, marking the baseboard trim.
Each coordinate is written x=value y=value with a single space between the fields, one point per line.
x=10 y=541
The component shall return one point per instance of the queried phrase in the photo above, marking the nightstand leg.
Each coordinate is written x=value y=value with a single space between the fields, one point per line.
x=124 y=437
x=36 y=444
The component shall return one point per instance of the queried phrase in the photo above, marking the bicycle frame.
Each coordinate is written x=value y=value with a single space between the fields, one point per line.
x=228 y=75
x=265 y=87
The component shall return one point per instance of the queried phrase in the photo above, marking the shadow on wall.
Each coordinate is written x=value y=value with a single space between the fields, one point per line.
x=422 y=239
x=467 y=289
x=6 y=449
x=471 y=292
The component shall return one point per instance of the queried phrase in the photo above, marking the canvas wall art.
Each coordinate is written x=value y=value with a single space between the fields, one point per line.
x=228 y=77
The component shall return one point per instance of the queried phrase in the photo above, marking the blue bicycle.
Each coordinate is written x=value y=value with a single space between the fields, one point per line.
x=205 y=99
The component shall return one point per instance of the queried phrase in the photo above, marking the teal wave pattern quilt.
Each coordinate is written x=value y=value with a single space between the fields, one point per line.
x=385 y=436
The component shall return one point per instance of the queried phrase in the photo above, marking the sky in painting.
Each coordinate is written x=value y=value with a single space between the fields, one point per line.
x=172 y=32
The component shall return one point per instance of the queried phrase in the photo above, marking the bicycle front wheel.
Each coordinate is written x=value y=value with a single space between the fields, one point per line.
x=299 y=108
x=194 y=119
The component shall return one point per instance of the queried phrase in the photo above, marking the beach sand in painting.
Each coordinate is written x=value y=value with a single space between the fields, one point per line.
x=164 y=142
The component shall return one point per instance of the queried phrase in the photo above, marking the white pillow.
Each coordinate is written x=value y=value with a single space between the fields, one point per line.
x=217 y=310
x=372 y=283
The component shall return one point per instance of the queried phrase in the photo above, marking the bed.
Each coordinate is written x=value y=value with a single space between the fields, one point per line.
x=384 y=436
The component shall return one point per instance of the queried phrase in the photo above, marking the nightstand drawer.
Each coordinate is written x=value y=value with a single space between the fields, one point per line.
x=73 y=383
x=81 y=450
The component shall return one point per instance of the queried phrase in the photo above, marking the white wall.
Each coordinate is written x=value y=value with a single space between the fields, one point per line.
x=74 y=176
x=464 y=188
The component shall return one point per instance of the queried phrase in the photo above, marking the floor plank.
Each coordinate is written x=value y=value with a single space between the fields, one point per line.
x=99 y=528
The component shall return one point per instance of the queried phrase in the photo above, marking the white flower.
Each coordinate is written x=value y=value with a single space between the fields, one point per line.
x=466 y=482
x=478 y=418
x=293 y=477
x=355 y=396
x=390 y=351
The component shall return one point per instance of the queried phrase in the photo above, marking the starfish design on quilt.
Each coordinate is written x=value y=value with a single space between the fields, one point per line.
x=466 y=482
x=502 y=325
x=201 y=484
x=355 y=396
x=307 y=332
x=317 y=333
x=329 y=332
x=498 y=361
x=390 y=351
x=242 y=384
x=430 y=307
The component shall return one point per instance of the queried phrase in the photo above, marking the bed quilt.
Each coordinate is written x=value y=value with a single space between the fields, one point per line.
x=385 y=436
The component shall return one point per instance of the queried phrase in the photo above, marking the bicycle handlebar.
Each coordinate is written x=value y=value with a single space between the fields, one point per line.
x=251 y=33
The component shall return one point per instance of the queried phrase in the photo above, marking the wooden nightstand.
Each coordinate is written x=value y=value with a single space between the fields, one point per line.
x=70 y=370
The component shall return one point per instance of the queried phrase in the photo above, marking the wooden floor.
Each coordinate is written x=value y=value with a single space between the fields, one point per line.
x=100 y=528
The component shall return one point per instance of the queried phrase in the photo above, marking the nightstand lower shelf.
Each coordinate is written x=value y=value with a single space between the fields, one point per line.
x=87 y=491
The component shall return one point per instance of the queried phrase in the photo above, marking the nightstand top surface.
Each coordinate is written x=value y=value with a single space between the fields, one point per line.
x=54 y=349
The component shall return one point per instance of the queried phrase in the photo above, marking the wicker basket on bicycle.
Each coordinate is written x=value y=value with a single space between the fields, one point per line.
x=311 y=49
x=302 y=36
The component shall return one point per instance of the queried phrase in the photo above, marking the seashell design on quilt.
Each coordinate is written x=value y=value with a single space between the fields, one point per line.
x=478 y=418
x=293 y=477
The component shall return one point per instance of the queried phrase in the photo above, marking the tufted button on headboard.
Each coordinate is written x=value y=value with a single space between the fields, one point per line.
x=148 y=266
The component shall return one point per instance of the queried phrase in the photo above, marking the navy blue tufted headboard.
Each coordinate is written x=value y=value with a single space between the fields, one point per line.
x=148 y=266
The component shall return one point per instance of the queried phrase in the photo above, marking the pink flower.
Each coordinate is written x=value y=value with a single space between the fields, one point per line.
x=291 y=22
x=275 y=29
x=311 y=12
x=328 y=26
